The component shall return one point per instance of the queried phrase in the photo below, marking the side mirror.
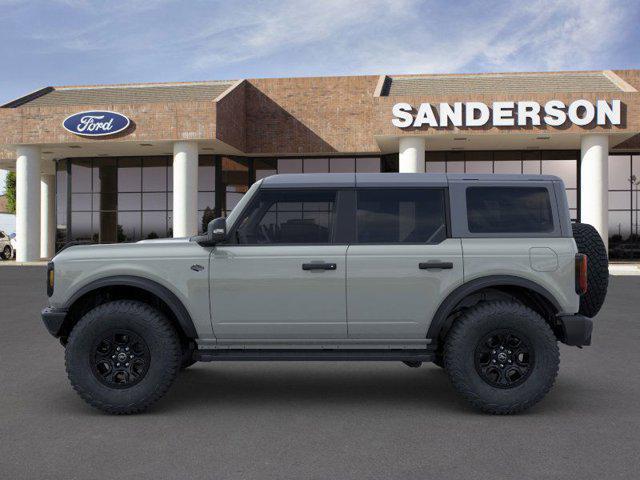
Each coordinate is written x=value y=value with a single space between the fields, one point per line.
x=217 y=230
x=216 y=233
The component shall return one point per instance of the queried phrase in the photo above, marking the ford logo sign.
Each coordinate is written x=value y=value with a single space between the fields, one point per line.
x=96 y=123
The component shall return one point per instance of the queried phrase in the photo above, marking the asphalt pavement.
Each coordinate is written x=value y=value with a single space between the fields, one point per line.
x=289 y=420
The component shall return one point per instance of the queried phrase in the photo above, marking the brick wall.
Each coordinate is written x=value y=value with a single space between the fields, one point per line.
x=230 y=117
x=317 y=115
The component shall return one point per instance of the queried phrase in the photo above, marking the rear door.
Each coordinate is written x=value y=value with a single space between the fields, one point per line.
x=284 y=275
x=402 y=263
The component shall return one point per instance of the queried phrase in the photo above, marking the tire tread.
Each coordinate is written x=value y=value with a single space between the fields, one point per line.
x=589 y=242
x=458 y=336
x=164 y=329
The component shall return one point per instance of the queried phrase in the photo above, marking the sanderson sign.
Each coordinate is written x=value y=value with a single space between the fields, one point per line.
x=96 y=123
x=507 y=114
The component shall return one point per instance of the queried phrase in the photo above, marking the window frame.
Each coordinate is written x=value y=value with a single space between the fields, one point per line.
x=447 y=215
x=342 y=203
x=460 y=222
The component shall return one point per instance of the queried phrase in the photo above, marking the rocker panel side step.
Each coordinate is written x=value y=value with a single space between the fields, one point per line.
x=310 y=355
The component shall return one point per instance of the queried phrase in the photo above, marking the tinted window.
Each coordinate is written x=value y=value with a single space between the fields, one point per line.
x=401 y=216
x=509 y=210
x=289 y=216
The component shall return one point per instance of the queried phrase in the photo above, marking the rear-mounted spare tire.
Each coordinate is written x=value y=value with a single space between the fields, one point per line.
x=589 y=242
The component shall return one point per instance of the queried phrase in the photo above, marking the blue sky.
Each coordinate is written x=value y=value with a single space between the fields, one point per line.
x=84 y=42
x=71 y=42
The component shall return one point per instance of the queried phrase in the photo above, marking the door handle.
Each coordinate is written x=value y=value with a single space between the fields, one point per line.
x=435 y=265
x=319 y=266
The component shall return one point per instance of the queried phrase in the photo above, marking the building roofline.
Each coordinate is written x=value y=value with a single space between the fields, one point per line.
x=382 y=80
x=141 y=85
x=27 y=98
x=230 y=89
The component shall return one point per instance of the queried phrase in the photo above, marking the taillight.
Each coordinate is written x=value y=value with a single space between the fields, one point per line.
x=581 y=273
x=50 y=278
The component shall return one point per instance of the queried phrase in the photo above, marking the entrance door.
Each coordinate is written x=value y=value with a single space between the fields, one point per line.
x=283 y=277
x=402 y=264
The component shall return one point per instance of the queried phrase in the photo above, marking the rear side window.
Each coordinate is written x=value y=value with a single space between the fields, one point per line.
x=401 y=216
x=509 y=210
x=288 y=217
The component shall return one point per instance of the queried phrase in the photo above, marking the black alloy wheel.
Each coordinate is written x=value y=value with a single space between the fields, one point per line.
x=122 y=356
x=504 y=358
x=120 y=359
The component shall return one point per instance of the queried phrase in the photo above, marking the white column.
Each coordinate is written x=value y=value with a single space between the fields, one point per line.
x=47 y=215
x=411 y=154
x=185 y=189
x=594 y=183
x=28 y=203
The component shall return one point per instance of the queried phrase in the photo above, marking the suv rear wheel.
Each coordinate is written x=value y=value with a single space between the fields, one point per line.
x=122 y=356
x=502 y=357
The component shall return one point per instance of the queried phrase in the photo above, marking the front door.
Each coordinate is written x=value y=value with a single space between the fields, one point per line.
x=401 y=265
x=282 y=275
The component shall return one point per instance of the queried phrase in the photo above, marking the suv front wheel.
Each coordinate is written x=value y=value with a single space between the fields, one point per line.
x=502 y=357
x=123 y=356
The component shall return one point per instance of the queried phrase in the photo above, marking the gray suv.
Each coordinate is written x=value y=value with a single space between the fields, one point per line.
x=481 y=275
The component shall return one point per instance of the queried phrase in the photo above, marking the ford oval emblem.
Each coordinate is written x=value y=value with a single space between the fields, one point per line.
x=96 y=123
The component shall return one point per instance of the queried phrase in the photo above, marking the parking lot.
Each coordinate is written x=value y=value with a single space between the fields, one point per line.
x=317 y=420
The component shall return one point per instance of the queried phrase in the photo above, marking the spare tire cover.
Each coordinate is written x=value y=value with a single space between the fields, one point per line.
x=589 y=242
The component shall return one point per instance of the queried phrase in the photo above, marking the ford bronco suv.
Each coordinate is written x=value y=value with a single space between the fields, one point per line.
x=481 y=275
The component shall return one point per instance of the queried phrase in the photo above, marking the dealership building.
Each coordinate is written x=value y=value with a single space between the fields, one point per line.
x=114 y=163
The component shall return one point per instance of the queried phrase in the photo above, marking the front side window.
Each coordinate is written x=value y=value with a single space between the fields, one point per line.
x=509 y=210
x=288 y=217
x=401 y=216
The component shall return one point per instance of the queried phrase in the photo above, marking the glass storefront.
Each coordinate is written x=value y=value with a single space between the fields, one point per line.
x=561 y=163
x=624 y=195
x=125 y=199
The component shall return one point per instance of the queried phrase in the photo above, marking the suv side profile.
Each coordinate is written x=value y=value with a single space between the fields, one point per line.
x=482 y=275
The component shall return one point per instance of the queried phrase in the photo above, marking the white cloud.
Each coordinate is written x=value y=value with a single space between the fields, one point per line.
x=543 y=35
x=163 y=39
x=291 y=24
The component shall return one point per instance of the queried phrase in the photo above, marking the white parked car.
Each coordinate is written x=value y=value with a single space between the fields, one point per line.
x=14 y=243
x=7 y=248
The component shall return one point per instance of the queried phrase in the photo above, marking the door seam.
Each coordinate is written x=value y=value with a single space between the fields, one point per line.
x=346 y=293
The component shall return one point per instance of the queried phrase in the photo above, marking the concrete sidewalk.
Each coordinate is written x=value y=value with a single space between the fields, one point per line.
x=13 y=263
x=624 y=269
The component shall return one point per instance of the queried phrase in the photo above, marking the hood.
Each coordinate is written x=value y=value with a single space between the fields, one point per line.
x=144 y=248
x=165 y=240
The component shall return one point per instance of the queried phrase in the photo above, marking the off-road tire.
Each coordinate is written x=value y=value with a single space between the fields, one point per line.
x=468 y=332
x=187 y=357
x=438 y=360
x=147 y=323
x=590 y=243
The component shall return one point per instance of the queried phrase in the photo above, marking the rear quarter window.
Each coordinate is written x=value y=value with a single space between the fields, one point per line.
x=509 y=210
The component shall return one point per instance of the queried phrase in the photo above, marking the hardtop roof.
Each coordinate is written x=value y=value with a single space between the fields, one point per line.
x=345 y=180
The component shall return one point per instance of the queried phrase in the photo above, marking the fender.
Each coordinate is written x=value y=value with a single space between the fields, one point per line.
x=466 y=289
x=168 y=297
